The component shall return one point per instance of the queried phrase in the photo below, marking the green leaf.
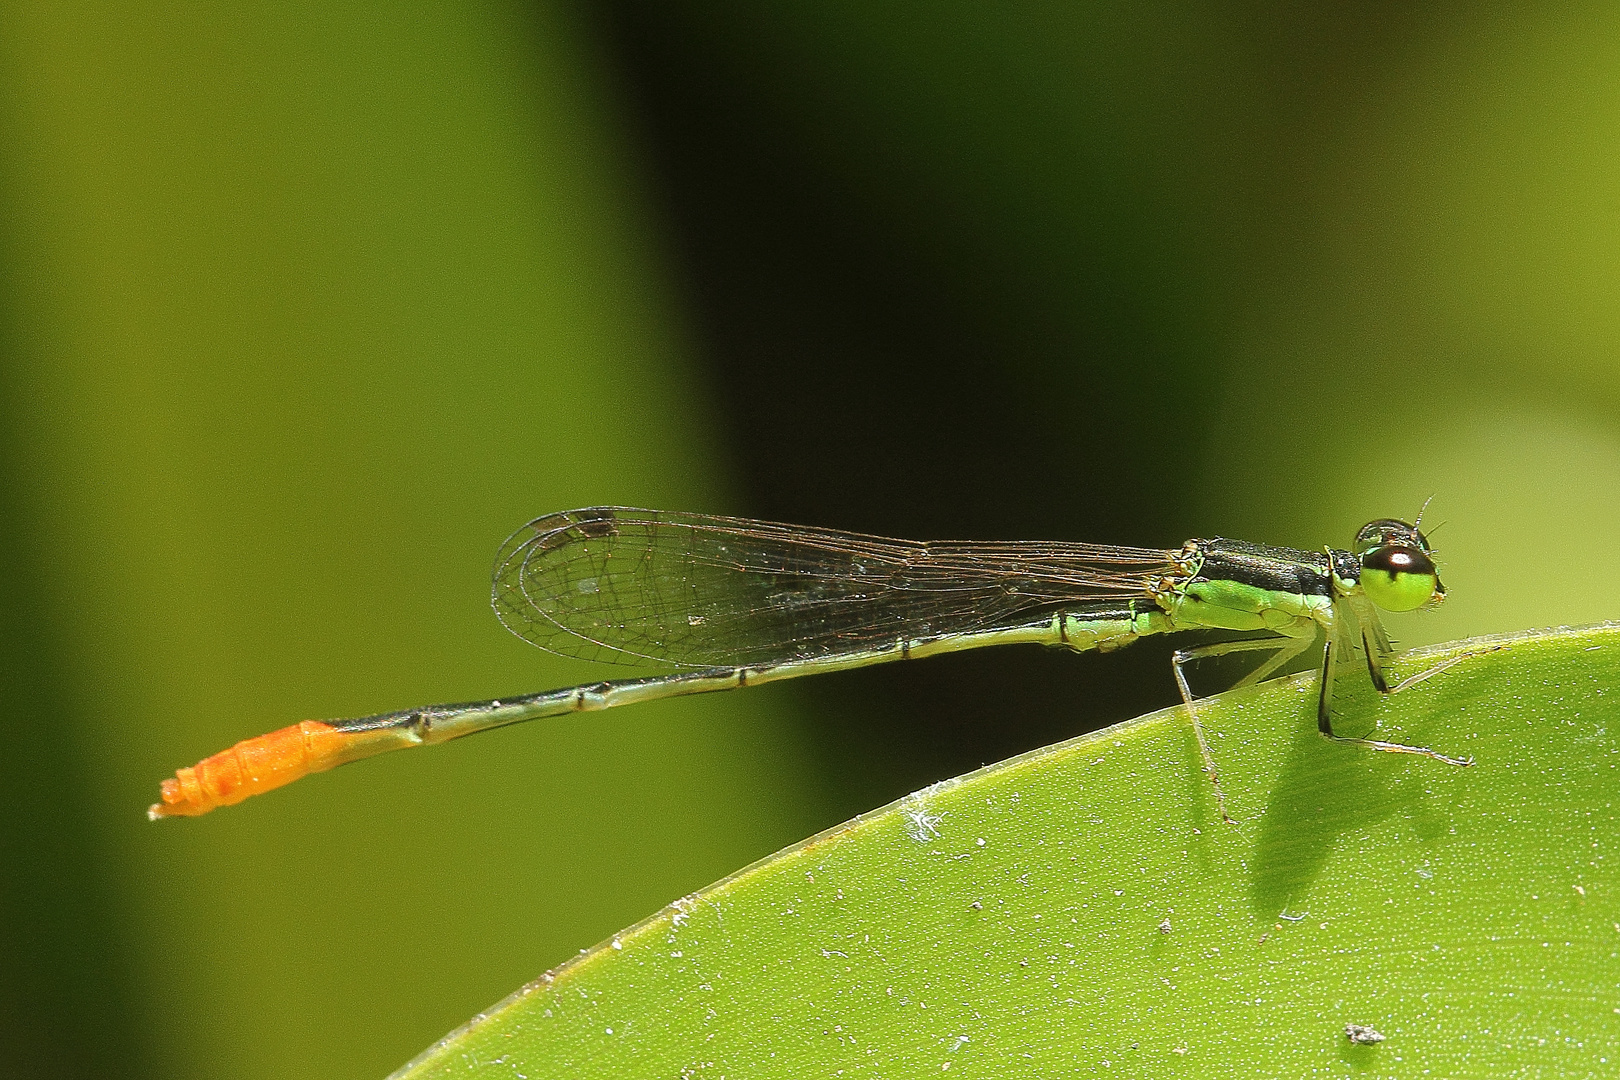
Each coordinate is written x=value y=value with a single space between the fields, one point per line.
x=1082 y=910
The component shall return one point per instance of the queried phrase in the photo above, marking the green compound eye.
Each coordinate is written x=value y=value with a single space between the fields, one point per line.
x=1399 y=578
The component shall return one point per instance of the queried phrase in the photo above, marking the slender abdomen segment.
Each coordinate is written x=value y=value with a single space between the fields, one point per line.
x=267 y=762
x=1106 y=631
x=261 y=764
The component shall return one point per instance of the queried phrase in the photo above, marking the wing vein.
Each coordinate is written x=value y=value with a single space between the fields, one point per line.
x=695 y=590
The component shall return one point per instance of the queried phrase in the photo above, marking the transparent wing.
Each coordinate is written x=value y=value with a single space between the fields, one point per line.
x=691 y=590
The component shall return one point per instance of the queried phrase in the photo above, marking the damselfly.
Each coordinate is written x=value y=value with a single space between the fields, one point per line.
x=729 y=602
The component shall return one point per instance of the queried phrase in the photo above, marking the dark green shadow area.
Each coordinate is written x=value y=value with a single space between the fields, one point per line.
x=1326 y=793
x=1321 y=796
x=1070 y=910
x=67 y=1008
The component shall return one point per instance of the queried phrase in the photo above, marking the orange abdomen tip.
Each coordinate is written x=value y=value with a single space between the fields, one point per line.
x=250 y=767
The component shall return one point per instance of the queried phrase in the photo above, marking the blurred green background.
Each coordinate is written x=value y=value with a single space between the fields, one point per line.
x=304 y=307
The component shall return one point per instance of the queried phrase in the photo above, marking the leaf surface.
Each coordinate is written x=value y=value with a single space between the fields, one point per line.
x=1082 y=910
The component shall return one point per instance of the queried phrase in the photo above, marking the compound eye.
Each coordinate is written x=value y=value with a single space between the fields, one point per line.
x=1399 y=578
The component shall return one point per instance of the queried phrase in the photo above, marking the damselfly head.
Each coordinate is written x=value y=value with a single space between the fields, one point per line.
x=1397 y=569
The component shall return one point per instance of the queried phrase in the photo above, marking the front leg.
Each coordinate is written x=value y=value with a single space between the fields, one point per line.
x=1324 y=708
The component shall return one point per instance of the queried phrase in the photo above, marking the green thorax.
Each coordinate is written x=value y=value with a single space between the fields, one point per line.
x=1235 y=585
